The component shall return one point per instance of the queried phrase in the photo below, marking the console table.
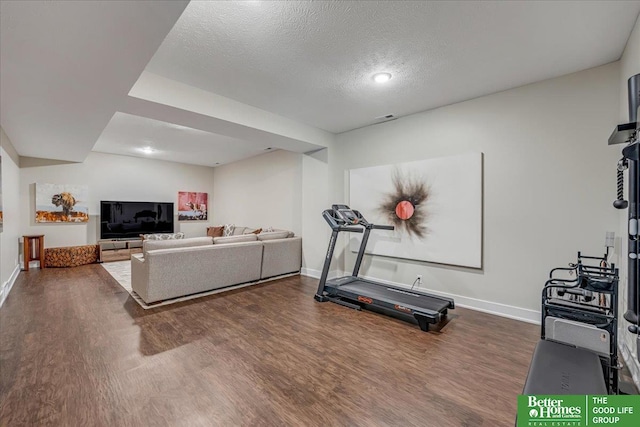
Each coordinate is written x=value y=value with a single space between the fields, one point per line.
x=33 y=250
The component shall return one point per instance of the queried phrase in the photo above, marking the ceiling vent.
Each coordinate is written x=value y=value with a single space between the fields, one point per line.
x=385 y=118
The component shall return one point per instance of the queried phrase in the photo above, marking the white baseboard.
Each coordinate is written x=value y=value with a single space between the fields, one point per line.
x=503 y=310
x=310 y=272
x=631 y=362
x=6 y=287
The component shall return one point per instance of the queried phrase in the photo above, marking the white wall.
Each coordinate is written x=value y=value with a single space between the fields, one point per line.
x=548 y=182
x=315 y=199
x=629 y=66
x=11 y=213
x=262 y=191
x=110 y=177
x=280 y=189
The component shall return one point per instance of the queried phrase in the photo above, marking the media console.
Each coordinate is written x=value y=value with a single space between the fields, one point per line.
x=119 y=250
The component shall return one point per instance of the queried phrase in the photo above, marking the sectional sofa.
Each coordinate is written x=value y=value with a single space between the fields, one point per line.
x=168 y=269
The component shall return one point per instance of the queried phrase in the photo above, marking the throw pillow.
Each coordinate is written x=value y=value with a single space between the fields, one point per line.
x=268 y=230
x=163 y=236
x=215 y=231
x=228 y=230
x=258 y=231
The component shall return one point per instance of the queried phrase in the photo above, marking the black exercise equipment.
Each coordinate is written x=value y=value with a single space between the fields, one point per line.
x=562 y=369
x=579 y=316
x=582 y=312
x=629 y=133
x=578 y=350
x=355 y=292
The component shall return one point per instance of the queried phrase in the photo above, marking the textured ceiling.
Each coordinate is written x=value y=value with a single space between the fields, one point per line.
x=231 y=78
x=312 y=61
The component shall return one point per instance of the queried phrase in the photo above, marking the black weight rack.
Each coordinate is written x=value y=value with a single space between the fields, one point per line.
x=589 y=296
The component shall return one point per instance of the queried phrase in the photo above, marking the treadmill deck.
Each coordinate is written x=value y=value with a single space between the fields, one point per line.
x=408 y=298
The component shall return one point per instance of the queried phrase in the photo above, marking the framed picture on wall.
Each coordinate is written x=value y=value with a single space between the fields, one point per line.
x=62 y=203
x=192 y=206
x=434 y=204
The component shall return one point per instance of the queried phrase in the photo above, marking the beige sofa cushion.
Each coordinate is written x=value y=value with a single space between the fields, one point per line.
x=150 y=245
x=272 y=235
x=235 y=239
x=249 y=230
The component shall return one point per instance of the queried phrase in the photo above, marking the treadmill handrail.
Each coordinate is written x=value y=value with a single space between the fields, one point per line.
x=382 y=227
x=351 y=229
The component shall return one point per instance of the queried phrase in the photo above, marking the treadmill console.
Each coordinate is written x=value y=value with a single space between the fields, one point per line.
x=346 y=214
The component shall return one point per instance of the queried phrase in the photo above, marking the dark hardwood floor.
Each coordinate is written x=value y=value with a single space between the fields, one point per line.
x=76 y=350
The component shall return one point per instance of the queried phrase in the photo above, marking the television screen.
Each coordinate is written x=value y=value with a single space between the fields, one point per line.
x=126 y=220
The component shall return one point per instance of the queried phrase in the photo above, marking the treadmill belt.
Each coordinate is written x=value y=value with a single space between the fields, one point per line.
x=389 y=293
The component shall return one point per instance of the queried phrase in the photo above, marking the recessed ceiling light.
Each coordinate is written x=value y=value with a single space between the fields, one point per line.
x=146 y=150
x=382 y=77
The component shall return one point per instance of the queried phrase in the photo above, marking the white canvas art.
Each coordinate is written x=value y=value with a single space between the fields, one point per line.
x=435 y=206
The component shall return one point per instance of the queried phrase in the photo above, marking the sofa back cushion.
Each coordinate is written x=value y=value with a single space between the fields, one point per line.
x=272 y=235
x=249 y=230
x=150 y=245
x=235 y=239
x=238 y=231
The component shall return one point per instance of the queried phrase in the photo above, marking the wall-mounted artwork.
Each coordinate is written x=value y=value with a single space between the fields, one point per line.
x=192 y=206
x=62 y=203
x=435 y=206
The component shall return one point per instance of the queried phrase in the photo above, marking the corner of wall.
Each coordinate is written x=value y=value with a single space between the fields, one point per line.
x=6 y=287
x=8 y=147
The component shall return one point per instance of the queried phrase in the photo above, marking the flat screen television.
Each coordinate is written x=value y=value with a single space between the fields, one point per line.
x=128 y=220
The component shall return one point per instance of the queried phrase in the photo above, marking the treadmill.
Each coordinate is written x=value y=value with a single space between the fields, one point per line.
x=357 y=293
